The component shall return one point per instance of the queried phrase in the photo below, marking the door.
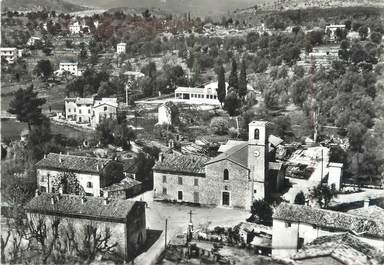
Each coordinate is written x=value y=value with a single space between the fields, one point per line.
x=196 y=197
x=226 y=198
x=180 y=195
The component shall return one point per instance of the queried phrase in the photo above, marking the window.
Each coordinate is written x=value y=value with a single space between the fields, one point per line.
x=226 y=198
x=79 y=111
x=256 y=134
x=180 y=180
x=196 y=182
x=180 y=195
x=164 y=191
x=89 y=111
x=105 y=108
x=287 y=224
x=226 y=174
x=164 y=179
x=89 y=184
x=69 y=110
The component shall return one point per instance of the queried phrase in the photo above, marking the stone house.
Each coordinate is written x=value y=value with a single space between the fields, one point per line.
x=75 y=27
x=295 y=225
x=126 y=188
x=124 y=219
x=235 y=178
x=93 y=173
x=90 y=110
x=70 y=67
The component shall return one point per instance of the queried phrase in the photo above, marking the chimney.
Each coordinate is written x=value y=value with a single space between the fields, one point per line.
x=83 y=199
x=60 y=158
x=37 y=192
x=161 y=156
x=366 y=202
x=61 y=191
x=171 y=144
x=105 y=201
x=45 y=156
x=97 y=167
x=52 y=200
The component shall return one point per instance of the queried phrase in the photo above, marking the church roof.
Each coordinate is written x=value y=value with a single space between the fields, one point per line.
x=183 y=164
x=237 y=154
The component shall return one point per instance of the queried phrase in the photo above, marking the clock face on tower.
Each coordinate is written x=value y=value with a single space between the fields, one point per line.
x=256 y=153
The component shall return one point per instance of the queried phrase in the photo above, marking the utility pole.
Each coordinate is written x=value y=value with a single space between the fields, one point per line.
x=322 y=163
x=166 y=228
x=190 y=227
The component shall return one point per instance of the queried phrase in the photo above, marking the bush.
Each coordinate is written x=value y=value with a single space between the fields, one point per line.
x=219 y=125
x=300 y=198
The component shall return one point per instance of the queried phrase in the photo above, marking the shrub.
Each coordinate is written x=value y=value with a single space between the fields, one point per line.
x=219 y=125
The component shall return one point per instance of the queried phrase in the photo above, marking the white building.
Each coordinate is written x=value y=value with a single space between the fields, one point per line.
x=86 y=169
x=197 y=95
x=295 y=225
x=331 y=29
x=121 y=47
x=75 y=28
x=32 y=41
x=71 y=67
x=9 y=54
x=89 y=110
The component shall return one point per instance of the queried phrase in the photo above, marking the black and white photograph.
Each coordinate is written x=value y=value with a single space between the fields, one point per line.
x=192 y=132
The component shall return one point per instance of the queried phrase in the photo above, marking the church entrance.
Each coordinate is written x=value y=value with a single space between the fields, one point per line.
x=226 y=198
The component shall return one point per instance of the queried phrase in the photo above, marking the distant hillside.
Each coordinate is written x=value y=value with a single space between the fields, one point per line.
x=196 y=7
x=36 y=5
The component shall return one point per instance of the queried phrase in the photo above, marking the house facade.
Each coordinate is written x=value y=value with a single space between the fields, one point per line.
x=197 y=95
x=9 y=54
x=235 y=178
x=70 y=67
x=90 y=110
x=124 y=219
x=331 y=31
x=75 y=28
x=121 y=47
x=91 y=172
x=302 y=224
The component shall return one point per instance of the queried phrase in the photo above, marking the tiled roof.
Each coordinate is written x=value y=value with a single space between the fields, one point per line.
x=189 y=164
x=84 y=101
x=124 y=184
x=373 y=212
x=71 y=205
x=189 y=90
x=329 y=219
x=237 y=154
x=344 y=247
x=72 y=163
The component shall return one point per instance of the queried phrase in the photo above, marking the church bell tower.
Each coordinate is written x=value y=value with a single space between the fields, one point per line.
x=258 y=158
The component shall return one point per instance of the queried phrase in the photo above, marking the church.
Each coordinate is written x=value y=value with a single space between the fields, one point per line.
x=235 y=178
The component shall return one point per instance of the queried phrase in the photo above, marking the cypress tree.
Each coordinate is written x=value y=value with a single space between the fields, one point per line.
x=243 y=80
x=233 y=80
x=221 y=93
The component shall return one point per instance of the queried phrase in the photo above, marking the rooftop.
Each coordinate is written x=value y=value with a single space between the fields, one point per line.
x=72 y=163
x=189 y=90
x=344 y=247
x=124 y=184
x=72 y=206
x=189 y=164
x=330 y=219
x=373 y=212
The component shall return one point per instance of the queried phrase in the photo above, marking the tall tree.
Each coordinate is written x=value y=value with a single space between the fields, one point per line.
x=44 y=69
x=221 y=87
x=232 y=103
x=233 y=80
x=243 y=80
x=27 y=106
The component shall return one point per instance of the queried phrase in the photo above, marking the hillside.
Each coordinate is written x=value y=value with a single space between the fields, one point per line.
x=36 y=5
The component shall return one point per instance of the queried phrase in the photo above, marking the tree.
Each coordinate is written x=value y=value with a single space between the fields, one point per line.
x=243 y=80
x=44 y=69
x=376 y=37
x=219 y=125
x=261 y=212
x=233 y=81
x=232 y=103
x=221 y=86
x=300 y=198
x=363 y=32
x=323 y=194
x=68 y=183
x=27 y=106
